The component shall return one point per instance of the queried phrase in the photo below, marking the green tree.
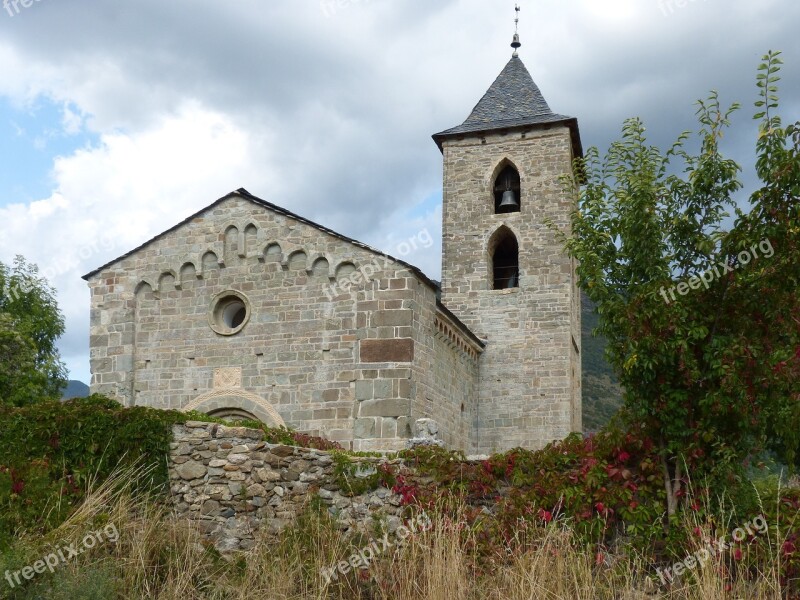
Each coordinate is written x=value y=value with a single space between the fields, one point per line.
x=30 y=325
x=703 y=323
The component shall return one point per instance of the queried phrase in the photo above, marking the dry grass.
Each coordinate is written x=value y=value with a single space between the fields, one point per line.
x=160 y=557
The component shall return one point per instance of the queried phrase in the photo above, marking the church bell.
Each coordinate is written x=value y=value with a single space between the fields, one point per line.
x=509 y=200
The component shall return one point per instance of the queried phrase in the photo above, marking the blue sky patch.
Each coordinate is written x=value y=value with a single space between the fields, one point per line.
x=427 y=206
x=31 y=138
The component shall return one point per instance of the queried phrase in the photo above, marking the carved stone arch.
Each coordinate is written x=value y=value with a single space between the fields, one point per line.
x=506 y=163
x=273 y=252
x=230 y=228
x=232 y=239
x=296 y=259
x=165 y=277
x=319 y=265
x=234 y=400
x=227 y=227
x=492 y=237
x=345 y=268
x=209 y=260
x=188 y=273
x=144 y=289
x=250 y=237
x=503 y=240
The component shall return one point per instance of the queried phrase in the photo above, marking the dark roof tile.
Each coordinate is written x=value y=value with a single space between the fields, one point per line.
x=513 y=100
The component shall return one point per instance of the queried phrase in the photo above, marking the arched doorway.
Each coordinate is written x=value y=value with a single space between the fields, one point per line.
x=236 y=403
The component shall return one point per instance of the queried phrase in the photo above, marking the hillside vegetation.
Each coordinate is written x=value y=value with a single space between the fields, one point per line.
x=601 y=392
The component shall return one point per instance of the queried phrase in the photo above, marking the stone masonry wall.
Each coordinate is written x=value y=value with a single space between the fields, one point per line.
x=342 y=362
x=529 y=390
x=449 y=381
x=231 y=484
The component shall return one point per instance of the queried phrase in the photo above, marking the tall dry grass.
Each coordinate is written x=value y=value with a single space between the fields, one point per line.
x=161 y=557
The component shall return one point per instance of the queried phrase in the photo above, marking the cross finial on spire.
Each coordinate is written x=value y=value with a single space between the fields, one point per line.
x=516 y=43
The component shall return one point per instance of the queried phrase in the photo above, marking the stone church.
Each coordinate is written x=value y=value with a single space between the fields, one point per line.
x=247 y=309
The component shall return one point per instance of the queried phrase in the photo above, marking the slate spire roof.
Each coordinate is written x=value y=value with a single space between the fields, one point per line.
x=512 y=101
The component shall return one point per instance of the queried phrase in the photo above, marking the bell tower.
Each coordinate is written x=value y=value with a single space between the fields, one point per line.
x=504 y=272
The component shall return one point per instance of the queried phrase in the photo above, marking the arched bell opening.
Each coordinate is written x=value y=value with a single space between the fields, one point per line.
x=504 y=260
x=507 y=191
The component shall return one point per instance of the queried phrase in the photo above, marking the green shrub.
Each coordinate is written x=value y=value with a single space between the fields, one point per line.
x=606 y=486
x=50 y=453
x=356 y=478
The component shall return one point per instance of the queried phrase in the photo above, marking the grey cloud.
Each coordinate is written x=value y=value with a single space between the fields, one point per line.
x=346 y=103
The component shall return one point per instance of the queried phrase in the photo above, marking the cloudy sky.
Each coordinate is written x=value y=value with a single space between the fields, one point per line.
x=120 y=118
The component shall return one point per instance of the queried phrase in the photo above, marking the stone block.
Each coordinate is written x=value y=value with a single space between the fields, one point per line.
x=396 y=318
x=383 y=388
x=210 y=507
x=389 y=428
x=390 y=350
x=364 y=390
x=365 y=428
x=384 y=408
x=404 y=427
x=282 y=451
x=330 y=395
x=191 y=470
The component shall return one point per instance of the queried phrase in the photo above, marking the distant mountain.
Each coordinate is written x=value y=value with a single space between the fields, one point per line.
x=75 y=389
x=602 y=394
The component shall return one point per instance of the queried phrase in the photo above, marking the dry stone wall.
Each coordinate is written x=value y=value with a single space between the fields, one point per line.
x=232 y=484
